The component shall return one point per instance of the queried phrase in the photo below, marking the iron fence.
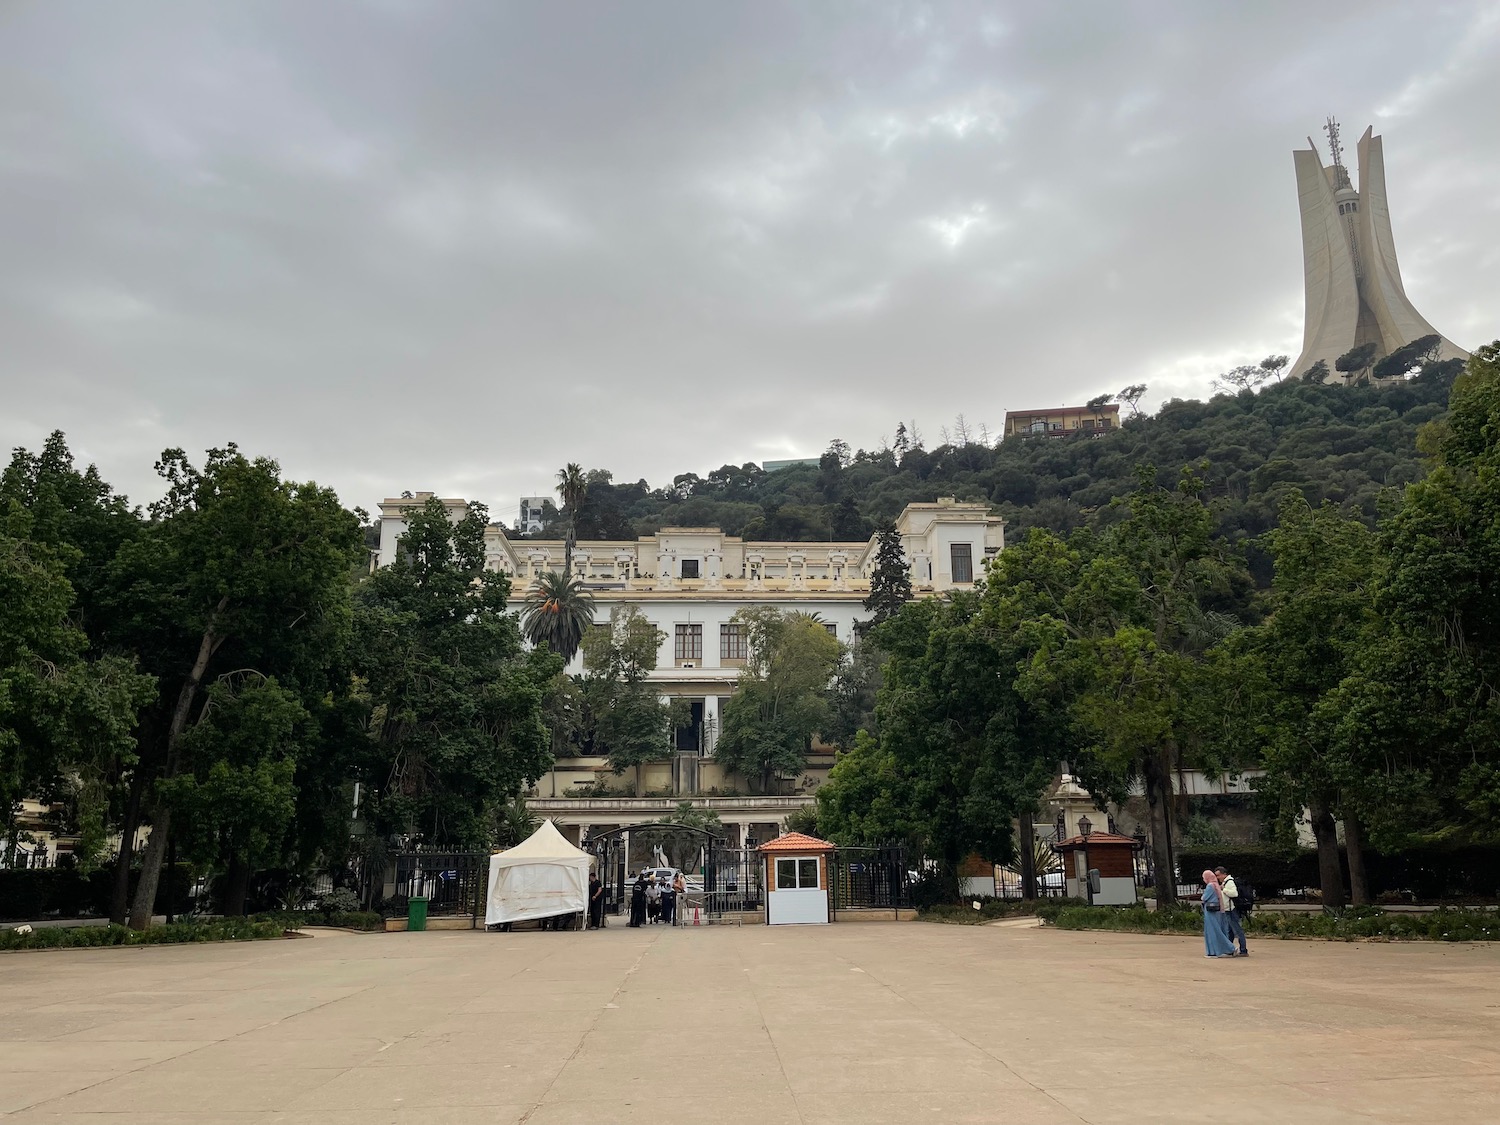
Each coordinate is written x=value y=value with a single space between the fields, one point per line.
x=451 y=882
x=733 y=880
x=870 y=879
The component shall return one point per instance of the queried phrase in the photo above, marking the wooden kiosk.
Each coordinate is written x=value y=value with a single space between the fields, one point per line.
x=796 y=874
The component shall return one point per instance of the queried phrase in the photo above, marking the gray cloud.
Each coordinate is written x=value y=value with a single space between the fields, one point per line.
x=452 y=246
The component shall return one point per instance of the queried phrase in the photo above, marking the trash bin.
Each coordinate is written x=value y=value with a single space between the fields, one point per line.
x=416 y=914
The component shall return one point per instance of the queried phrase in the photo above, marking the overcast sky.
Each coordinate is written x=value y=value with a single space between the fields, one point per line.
x=452 y=246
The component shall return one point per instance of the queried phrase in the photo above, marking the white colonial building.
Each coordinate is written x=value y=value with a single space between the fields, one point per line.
x=690 y=582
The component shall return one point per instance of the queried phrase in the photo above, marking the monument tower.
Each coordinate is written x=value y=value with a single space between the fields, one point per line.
x=1352 y=281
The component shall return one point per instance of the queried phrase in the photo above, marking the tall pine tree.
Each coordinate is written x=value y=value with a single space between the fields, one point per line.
x=890 y=584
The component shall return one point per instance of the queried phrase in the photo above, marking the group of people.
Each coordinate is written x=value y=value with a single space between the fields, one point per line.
x=1225 y=906
x=654 y=900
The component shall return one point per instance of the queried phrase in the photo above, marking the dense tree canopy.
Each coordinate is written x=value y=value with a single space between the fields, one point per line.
x=781 y=700
x=1335 y=443
x=455 y=705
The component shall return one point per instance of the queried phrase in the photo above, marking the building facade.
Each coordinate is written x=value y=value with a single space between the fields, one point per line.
x=1351 y=279
x=690 y=582
x=533 y=514
x=1063 y=421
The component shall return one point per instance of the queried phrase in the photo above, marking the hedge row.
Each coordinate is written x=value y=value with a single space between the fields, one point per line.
x=84 y=937
x=992 y=909
x=1429 y=872
x=339 y=919
x=64 y=892
x=1366 y=922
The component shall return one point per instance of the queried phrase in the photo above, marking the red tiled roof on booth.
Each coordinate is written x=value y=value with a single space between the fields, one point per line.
x=796 y=842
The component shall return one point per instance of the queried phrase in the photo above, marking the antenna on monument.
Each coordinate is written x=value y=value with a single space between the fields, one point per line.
x=1336 y=151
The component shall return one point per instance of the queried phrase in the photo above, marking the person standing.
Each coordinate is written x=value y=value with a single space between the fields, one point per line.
x=596 y=902
x=679 y=894
x=668 y=901
x=1216 y=941
x=653 y=900
x=638 y=901
x=1234 y=917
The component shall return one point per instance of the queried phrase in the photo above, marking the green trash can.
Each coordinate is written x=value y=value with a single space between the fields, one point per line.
x=416 y=914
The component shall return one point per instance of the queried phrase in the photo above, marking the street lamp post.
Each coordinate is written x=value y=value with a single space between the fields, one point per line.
x=1085 y=827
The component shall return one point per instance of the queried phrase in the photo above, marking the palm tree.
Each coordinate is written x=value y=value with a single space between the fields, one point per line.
x=558 y=610
x=572 y=487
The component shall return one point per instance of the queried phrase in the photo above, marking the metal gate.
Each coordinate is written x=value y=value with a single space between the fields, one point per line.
x=870 y=879
x=451 y=882
x=611 y=851
x=733 y=880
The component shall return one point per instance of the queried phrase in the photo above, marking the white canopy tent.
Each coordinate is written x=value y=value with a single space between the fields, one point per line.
x=541 y=877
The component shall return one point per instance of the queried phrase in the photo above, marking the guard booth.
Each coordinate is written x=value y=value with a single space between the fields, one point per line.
x=796 y=868
x=1110 y=856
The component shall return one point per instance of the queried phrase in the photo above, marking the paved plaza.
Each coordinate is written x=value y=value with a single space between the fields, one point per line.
x=866 y=1023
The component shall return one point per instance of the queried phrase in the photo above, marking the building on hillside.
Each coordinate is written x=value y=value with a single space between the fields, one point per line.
x=787 y=463
x=690 y=582
x=1351 y=279
x=1064 y=421
x=534 y=513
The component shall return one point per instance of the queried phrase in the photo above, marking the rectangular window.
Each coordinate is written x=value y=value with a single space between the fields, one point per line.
x=689 y=644
x=797 y=874
x=733 y=644
x=963 y=562
x=690 y=568
x=833 y=630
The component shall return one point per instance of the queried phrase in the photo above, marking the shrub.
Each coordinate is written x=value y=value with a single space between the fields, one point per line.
x=84 y=937
x=338 y=919
x=341 y=900
x=1361 y=923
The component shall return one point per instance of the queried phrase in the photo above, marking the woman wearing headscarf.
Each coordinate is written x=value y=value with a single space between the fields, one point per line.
x=638 y=901
x=1216 y=941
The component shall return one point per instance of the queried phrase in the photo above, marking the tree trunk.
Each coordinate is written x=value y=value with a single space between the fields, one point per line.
x=568 y=549
x=640 y=779
x=236 y=886
x=161 y=815
x=119 y=899
x=1028 y=857
x=1354 y=845
x=1158 y=794
x=1330 y=873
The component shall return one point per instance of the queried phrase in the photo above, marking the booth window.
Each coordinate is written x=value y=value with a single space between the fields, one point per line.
x=797 y=874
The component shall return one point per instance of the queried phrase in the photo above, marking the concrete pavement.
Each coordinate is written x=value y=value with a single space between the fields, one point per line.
x=871 y=1023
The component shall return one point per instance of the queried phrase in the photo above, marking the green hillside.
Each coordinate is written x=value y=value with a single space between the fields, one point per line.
x=1344 y=444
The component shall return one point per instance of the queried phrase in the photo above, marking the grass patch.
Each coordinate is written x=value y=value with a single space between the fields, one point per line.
x=1358 y=924
x=88 y=937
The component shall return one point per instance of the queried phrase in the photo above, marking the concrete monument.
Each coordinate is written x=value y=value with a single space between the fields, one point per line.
x=1353 y=283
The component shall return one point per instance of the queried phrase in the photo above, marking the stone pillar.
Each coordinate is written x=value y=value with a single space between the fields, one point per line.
x=796 y=565
x=755 y=569
x=838 y=570
x=665 y=564
x=713 y=567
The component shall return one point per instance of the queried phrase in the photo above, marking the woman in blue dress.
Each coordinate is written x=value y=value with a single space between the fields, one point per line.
x=1215 y=934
